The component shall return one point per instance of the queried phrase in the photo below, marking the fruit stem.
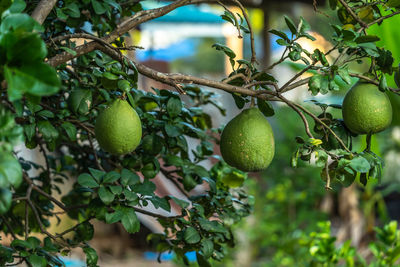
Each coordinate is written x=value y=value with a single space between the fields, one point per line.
x=252 y=103
x=368 y=139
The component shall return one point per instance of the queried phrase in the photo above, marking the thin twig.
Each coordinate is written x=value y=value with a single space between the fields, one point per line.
x=227 y=10
x=328 y=177
x=73 y=228
x=28 y=195
x=382 y=18
x=354 y=15
x=98 y=164
x=246 y=17
x=293 y=106
x=323 y=124
x=8 y=227
x=173 y=180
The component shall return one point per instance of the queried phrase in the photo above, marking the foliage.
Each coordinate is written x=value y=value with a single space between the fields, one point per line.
x=53 y=88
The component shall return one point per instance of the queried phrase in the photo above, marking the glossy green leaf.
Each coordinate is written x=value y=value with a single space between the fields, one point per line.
x=105 y=195
x=191 y=235
x=87 y=180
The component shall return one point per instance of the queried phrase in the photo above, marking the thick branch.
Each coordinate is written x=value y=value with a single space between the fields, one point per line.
x=42 y=10
x=175 y=78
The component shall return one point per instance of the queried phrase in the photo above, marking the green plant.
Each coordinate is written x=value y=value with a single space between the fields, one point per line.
x=41 y=64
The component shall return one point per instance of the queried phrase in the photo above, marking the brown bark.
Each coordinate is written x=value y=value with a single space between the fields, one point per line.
x=42 y=10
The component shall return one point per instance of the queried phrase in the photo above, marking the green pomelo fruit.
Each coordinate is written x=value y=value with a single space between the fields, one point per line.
x=247 y=141
x=118 y=128
x=366 y=109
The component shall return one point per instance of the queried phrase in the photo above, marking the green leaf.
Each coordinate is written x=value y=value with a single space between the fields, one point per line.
x=152 y=144
x=225 y=49
x=111 y=177
x=87 y=180
x=174 y=106
x=10 y=171
x=290 y=24
x=16 y=243
x=91 y=256
x=30 y=130
x=37 y=261
x=98 y=7
x=146 y=188
x=280 y=34
x=314 y=84
x=49 y=246
x=35 y=242
x=305 y=26
x=129 y=178
x=360 y=164
x=265 y=107
x=130 y=221
x=17 y=6
x=115 y=189
x=393 y=3
x=124 y=85
x=172 y=131
x=239 y=100
x=21 y=22
x=282 y=42
x=383 y=84
x=45 y=114
x=130 y=196
x=181 y=203
x=72 y=9
x=110 y=76
x=295 y=55
x=212 y=226
x=207 y=247
x=80 y=101
x=27 y=48
x=397 y=77
x=344 y=74
x=70 y=129
x=191 y=235
x=5 y=200
x=39 y=79
x=68 y=50
x=105 y=195
x=48 y=130
x=84 y=232
x=114 y=217
x=202 y=261
x=160 y=203
x=97 y=174
x=367 y=39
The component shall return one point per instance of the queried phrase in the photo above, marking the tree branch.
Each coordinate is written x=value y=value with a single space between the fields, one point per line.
x=354 y=15
x=42 y=10
x=122 y=28
x=175 y=78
